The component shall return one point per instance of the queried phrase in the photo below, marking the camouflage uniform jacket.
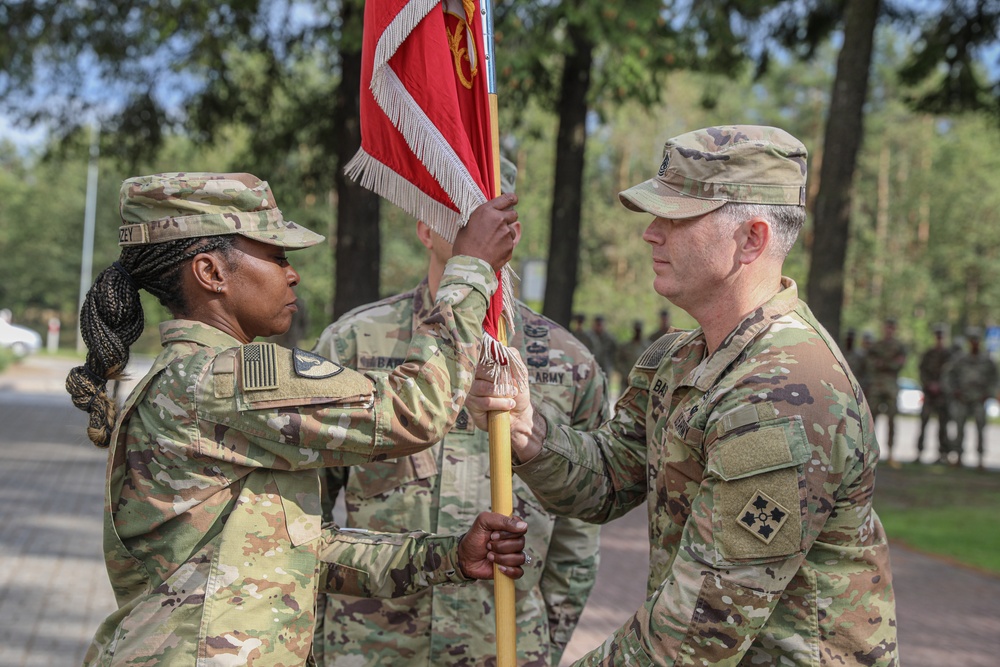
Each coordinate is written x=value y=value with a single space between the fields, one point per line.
x=971 y=379
x=757 y=465
x=446 y=486
x=212 y=530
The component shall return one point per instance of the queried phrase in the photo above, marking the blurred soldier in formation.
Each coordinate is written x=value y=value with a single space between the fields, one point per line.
x=664 y=328
x=885 y=359
x=603 y=345
x=630 y=351
x=970 y=379
x=932 y=366
x=446 y=485
x=576 y=328
x=855 y=357
x=865 y=379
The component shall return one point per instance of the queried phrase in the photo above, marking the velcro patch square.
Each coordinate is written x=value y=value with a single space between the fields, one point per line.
x=763 y=517
x=259 y=367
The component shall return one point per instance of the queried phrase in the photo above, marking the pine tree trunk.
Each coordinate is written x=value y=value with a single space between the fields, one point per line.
x=844 y=132
x=358 y=248
x=567 y=191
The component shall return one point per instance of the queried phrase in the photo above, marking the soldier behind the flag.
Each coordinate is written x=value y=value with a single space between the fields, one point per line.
x=446 y=484
x=213 y=537
x=748 y=439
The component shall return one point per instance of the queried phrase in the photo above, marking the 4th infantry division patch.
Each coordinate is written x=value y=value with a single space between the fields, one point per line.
x=763 y=517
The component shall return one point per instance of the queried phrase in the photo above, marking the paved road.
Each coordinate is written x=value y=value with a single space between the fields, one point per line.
x=54 y=591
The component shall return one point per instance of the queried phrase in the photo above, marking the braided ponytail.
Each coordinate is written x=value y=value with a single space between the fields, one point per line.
x=112 y=319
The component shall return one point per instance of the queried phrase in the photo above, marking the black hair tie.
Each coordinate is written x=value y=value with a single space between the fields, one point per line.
x=94 y=377
x=121 y=269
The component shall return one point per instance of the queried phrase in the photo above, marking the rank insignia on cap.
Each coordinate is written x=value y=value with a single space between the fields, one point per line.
x=664 y=164
x=763 y=517
x=309 y=365
x=259 y=366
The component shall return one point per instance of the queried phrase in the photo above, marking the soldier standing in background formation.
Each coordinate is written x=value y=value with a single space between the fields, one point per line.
x=747 y=439
x=576 y=327
x=664 y=326
x=855 y=356
x=630 y=351
x=444 y=486
x=970 y=379
x=885 y=359
x=932 y=367
x=867 y=340
x=603 y=345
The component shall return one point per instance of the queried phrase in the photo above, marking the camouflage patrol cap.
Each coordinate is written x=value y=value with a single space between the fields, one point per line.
x=166 y=207
x=704 y=169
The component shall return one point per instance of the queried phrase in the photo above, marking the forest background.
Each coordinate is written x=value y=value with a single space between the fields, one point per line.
x=924 y=201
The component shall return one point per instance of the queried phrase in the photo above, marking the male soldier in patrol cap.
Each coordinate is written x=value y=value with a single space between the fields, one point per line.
x=932 y=366
x=886 y=358
x=445 y=485
x=748 y=438
x=970 y=379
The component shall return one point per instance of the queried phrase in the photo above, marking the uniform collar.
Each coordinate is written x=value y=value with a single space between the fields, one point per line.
x=173 y=331
x=708 y=371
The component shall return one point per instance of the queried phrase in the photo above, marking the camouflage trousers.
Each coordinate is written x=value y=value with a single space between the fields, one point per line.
x=936 y=406
x=960 y=412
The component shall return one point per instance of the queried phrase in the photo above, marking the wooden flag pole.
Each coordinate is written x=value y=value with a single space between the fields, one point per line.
x=501 y=483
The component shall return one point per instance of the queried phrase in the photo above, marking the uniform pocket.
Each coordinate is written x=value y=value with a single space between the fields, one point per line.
x=758 y=493
x=373 y=479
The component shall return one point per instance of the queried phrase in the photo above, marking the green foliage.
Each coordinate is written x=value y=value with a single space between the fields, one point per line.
x=929 y=257
x=6 y=358
x=943 y=511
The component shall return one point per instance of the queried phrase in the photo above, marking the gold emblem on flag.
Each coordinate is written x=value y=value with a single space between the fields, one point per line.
x=461 y=41
x=259 y=365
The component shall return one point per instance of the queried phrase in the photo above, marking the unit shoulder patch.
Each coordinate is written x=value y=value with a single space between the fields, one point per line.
x=310 y=365
x=763 y=517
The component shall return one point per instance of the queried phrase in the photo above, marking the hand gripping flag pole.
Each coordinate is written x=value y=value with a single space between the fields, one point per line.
x=430 y=145
x=501 y=483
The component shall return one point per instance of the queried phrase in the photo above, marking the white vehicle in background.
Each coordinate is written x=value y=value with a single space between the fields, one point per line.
x=22 y=341
x=909 y=397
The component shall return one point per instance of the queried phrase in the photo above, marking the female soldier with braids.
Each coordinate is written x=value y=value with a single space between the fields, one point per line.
x=212 y=533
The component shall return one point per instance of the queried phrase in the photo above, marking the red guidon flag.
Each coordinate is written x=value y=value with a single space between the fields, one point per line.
x=425 y=128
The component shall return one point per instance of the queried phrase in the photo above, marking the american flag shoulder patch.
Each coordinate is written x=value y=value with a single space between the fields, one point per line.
x=259 y=364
